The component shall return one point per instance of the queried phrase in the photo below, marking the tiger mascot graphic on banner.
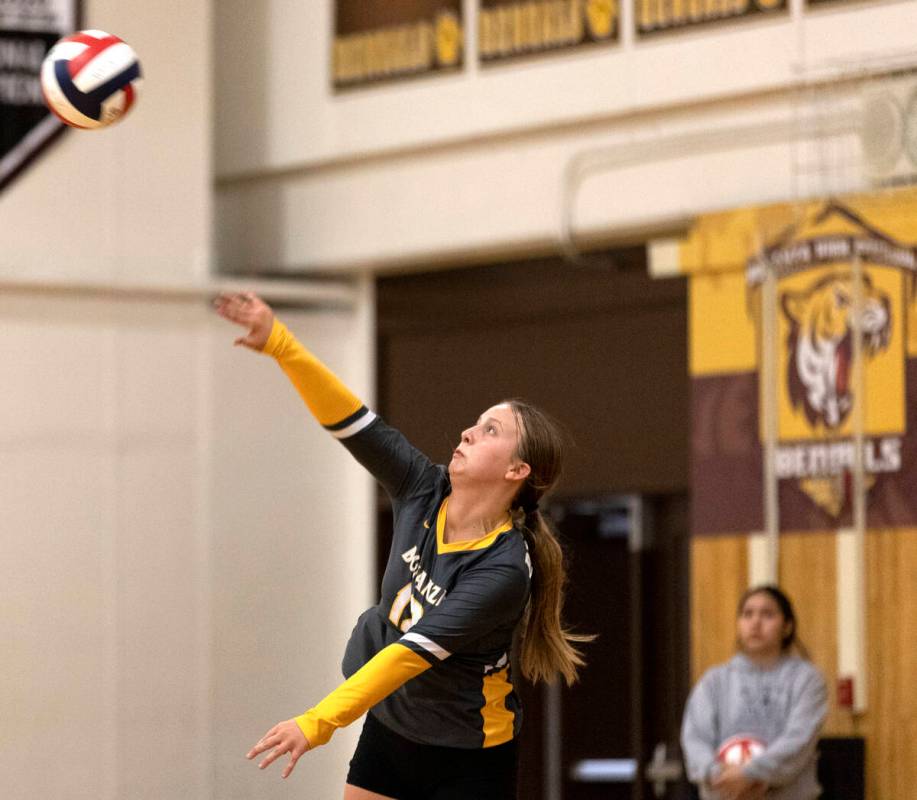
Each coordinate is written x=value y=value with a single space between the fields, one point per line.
x=820 y=343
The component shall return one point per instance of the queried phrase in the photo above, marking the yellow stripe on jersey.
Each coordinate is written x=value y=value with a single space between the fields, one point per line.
x=498 y=719
x=329 y=400
x=466 y=544
x=391 y=667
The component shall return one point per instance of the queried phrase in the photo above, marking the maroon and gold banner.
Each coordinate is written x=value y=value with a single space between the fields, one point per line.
x=509 y=29
x=812 y=249
x=660 y=16
x=381 y=40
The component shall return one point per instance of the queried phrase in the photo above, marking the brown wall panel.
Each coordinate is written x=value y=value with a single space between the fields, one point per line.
x=603 y=350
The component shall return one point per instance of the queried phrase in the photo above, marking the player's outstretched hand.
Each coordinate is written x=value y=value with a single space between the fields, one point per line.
x=284 y=737
x=249 y=311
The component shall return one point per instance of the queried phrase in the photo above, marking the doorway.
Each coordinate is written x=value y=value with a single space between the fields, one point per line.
x=614 y=735
x=604 y=350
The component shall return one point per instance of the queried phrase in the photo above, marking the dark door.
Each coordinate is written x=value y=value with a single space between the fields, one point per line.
x=629 y=585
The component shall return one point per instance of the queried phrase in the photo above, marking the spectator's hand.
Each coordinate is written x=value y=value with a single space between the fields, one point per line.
x=732 y=784
x=249 y=311
x=756 y=791
x=284 y=737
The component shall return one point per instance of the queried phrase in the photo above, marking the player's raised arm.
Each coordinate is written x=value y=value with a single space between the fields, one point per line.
x=392 y=460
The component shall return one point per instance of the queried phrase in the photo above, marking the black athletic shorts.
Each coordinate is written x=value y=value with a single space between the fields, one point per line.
x=390 y=765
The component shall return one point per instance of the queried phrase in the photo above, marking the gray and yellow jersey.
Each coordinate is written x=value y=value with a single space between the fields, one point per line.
x=432 y=658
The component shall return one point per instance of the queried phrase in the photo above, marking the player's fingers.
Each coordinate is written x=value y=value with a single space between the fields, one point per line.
x=249 y=315
x=273 y=734
x=220 y=305
x=226 y=298
x=258 y=748
x=233 y=301
x=273 y=755
x=266 y=742
x=243 y=317
x=228 y=309
x=294 y=757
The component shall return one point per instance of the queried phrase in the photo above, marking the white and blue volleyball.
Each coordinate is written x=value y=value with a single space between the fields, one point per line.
x=90 y=79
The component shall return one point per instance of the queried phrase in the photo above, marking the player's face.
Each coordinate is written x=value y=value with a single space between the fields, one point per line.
x=487 y=451
x=762 y=626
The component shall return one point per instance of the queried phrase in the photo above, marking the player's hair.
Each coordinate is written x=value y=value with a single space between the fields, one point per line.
x=547 y=647
x=786 y=609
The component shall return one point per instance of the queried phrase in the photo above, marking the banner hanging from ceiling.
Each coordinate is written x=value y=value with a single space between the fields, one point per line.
x=813 y=249
x=510 y=29
x=662 y=16
x=378 y=41
x=28 y=29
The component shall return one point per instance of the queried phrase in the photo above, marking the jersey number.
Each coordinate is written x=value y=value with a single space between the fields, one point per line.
x=406 y=611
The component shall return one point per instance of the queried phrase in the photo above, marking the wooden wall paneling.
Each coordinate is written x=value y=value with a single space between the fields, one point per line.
x=719 y=575
x=890 y=723
x=808 y=574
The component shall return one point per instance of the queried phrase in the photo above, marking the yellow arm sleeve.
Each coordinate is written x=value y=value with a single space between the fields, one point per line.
x=379 y=677
x=327 y=398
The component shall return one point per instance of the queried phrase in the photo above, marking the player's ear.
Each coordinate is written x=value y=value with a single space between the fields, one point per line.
x=518 y=471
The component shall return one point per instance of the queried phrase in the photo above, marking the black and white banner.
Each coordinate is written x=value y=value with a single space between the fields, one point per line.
x=28 y=29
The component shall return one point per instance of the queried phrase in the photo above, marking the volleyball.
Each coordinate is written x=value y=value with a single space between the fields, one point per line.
x=89 y=79
x=739 y=750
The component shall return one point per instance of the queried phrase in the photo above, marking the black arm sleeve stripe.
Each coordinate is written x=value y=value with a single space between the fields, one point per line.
x=356 y=422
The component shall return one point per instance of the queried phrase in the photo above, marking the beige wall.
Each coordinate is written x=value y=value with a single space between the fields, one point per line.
x=465 y=165
x=264 y=49
x=132 y=202
x=184 y=551
x=176 y=578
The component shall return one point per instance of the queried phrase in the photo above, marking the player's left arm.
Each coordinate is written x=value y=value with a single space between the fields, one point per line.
x=388 y=455
x=786 y=755
x=482 y=599
x=379 y=677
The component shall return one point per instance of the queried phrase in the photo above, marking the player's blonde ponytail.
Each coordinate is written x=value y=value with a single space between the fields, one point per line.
x=547 y=648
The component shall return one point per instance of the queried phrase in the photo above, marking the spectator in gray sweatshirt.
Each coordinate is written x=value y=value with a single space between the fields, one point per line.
x=765 y=692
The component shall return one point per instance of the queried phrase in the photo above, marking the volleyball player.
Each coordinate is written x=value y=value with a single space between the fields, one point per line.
x=472 y=560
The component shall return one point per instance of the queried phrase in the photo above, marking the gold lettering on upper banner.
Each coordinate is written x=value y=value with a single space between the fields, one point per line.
x=378 y=40
x=380 y=54
x=532 y=26
x=654 y=16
